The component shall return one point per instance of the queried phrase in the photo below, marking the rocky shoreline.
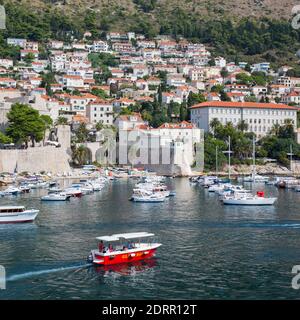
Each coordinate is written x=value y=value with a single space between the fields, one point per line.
x=272 y=169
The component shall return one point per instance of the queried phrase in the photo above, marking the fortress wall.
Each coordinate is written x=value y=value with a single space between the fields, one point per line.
x=35 y=160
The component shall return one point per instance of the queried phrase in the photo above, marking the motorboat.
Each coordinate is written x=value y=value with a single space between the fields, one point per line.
x=147 y=196
x=85 y=187
x=207 y=181
x=127 y=248
x=12 y=191
x=287 y=183
x=256 y=178
x=155 y=188
x=97 y=186
x=73 y=192
x=17 y=214
x=231 y=189
x=56 y=197
x=24 y=188
x=218 y=187
x=54 y=190
x=249 y=199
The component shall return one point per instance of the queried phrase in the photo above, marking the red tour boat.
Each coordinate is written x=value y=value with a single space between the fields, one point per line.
x=123 y=248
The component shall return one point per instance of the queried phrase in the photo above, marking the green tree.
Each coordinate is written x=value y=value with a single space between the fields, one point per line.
x=99 y=93
x=61 y=121
x=80 y=155
x=5 y=139
x=82 y=133
x=242 y=126
x=25 y=123
x=29 y=58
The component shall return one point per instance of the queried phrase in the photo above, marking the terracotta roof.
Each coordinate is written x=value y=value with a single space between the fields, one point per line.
x=72 y=77
x=7 y=80
x=235 y=94
x=225 y=104
x=181 y=125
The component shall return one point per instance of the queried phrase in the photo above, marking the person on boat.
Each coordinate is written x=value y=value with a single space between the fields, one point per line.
x=110 y=248
x=101 y=246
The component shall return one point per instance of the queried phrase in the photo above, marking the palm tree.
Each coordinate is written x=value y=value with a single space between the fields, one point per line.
x=275 y=129
x=80 y=155
x=242 y=126
x=214 y=124
x=61 y=121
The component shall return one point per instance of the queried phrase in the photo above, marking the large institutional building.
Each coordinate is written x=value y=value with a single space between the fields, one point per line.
x=260 y=117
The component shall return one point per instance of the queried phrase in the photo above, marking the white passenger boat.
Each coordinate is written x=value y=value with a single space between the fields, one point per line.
x=56 y=197
x=17 y=214
x=248 y=200
x=147 y=196
x=123 y=248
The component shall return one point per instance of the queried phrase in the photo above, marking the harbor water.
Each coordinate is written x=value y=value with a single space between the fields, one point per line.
x=209 y=251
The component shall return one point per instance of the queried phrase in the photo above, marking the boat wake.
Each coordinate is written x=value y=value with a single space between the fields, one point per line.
x=273 y=225
x=21 y=276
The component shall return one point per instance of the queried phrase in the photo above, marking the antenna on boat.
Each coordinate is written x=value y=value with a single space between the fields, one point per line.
x=229 y=152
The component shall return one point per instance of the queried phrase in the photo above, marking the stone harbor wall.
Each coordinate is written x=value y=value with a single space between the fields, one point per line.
x=37 y=159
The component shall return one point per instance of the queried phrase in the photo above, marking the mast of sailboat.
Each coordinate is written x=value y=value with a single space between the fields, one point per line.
x=291 y=156
x=253 y=156
x=229 y=156
x=217 y=149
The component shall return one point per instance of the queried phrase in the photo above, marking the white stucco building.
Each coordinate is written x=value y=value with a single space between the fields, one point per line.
x=260 y=117
x=100 y=111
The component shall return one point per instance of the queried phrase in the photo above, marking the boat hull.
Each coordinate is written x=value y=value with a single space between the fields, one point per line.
x=22 y=217
x=252 y=202
x=123 y=257
x=148 y=200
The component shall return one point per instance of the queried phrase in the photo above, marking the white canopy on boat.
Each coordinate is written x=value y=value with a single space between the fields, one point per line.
x=126 y=236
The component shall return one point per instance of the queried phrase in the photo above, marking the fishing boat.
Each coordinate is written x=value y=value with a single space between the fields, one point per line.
x=249 y=200
x=147 y=196
x=127 y=248
x=17 y=214
x=56 y=197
